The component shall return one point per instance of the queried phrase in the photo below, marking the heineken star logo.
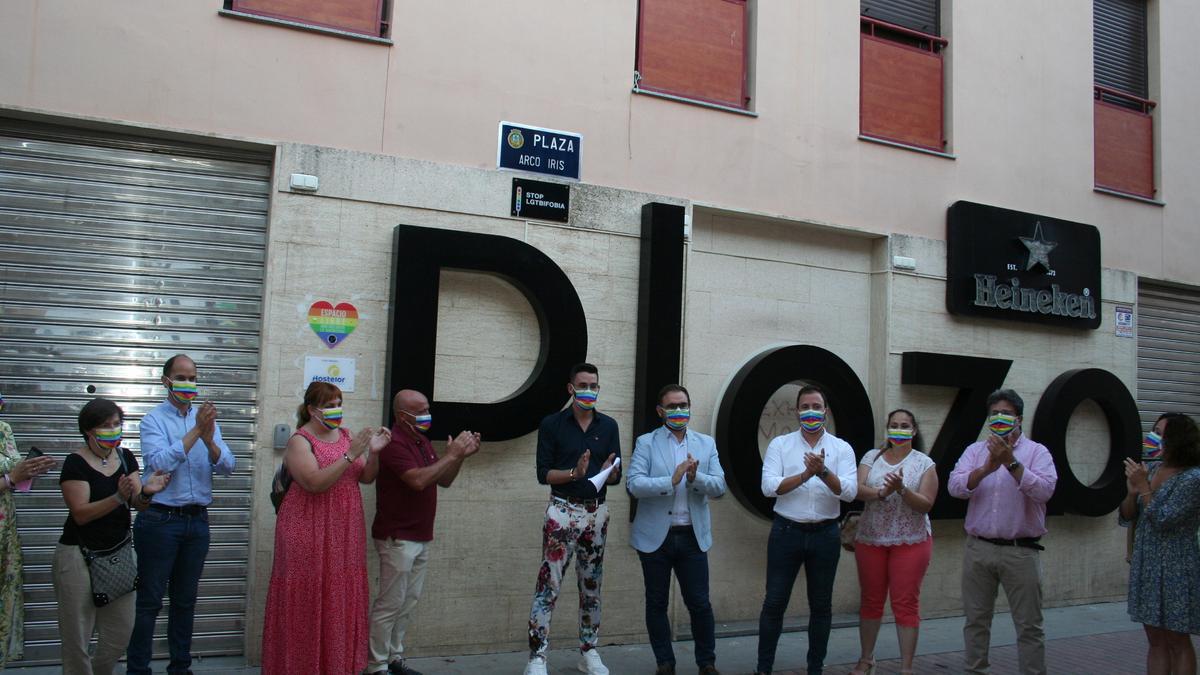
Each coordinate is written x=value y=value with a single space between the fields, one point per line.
x=1039 y=249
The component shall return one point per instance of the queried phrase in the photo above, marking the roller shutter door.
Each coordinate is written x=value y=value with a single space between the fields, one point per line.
x=1168 y=351
x=118 y=252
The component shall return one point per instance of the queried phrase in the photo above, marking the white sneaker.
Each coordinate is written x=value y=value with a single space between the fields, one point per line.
x=590 y=663
x=536 y=666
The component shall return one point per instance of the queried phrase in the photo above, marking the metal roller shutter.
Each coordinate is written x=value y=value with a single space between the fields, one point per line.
x=918 y=15
x=117 y=252
x=1168 y=351
x=1119 y=45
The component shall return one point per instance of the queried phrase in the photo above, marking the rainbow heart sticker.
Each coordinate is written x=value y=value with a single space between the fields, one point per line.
x=332 y=324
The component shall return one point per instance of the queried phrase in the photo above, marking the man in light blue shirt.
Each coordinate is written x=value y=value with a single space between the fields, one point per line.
x=171 y=536
x=673 y=474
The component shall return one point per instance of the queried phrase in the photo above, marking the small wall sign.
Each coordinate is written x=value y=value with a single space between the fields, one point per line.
x=332 y=324
x=538 y=150
x=1123 y=321
x=540 y=200
x=335 y=371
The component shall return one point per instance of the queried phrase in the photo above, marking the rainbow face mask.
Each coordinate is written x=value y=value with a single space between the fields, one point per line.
x=1001 y=424
x=108 y=438
x=677 y=419
x=1152 y=446
x=900 y=436
x=422 y=423
x=811 y=420
x=586 y=398
x=331 y=417
x=183 y=391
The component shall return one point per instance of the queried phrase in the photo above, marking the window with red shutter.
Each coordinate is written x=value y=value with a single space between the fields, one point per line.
x=1122 y=122
x=360 y=17
x=901 y=76
x=694 y=49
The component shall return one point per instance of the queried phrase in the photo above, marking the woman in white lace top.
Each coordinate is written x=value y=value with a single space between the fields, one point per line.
x=897 y=484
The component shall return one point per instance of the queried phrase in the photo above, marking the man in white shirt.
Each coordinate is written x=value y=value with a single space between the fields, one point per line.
x=807 y=471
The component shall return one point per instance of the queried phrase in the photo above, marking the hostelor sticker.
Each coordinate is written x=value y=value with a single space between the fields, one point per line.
x=332 y=324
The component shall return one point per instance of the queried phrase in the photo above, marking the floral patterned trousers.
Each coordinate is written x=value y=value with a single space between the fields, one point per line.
x=570 y=530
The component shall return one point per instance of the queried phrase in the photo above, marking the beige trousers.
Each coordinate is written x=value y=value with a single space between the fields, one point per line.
x=401 y=578
x=78 y=617
x=1019 y=570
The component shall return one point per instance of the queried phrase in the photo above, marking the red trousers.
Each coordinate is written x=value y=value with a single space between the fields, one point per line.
x=898 y=569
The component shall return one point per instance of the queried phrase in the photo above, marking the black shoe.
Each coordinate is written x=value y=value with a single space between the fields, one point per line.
x=665 y=669
x=709 y=670
x=398 y=668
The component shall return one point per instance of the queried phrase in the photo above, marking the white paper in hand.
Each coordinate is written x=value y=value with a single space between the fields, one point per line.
x=598 y=479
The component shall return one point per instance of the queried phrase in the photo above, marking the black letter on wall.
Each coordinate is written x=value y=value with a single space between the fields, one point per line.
x=738 y=418
x=660 y=310
x=420 y=255
x=1054 y=410
x=660 y=314
x=975 y=378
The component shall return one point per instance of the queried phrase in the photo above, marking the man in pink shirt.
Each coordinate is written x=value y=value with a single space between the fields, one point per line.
x=1007 y=480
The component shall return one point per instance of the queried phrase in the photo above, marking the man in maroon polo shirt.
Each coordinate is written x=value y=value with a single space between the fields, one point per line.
x=405 y=504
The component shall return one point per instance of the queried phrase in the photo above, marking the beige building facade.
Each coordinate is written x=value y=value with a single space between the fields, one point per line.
x=794 y=224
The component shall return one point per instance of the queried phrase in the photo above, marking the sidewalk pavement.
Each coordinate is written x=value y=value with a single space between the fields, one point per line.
x=1082 y=640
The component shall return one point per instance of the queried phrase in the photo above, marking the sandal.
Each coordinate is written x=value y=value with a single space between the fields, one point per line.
x=869 y=664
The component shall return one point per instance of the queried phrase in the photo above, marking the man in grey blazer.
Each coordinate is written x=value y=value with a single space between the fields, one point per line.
x=673 y=473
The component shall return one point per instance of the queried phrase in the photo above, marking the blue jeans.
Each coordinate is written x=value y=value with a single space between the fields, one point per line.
x=792 y=546
x=681 y=553
x=171 y=549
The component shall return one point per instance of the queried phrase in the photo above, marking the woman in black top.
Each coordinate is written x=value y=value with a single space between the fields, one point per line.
x=99 y=482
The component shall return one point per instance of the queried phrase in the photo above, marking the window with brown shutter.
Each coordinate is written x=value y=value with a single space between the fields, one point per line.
x=1123 y=124
x=901 y=84
x=361 y=17
x=694 y=49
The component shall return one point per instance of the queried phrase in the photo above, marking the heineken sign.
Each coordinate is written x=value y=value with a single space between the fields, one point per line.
x=1007 y=264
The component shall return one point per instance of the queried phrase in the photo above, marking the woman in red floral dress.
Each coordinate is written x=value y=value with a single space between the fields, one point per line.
x=317 y=604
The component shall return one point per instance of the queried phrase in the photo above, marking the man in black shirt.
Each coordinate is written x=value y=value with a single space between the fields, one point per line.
x=574 y=445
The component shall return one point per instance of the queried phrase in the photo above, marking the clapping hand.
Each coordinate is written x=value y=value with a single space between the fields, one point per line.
x=615 y=476
x=1136 y=477
x=684 y=468
x=377 y=439
x=474 y=441
x=31 y=468
x=694 y=464
x=156 y=483
x=1000 y=452
x=360 y=444
x=582 y=465
x=206 y=421
x=464 y=445
x=894 y=481
x=126 y=486
x=814 y=463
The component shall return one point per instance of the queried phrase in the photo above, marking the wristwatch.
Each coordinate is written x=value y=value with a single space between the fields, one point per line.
x=572 y=474
x=1016 y=464
x=824 y=472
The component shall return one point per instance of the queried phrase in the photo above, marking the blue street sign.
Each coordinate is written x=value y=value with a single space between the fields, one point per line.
x=538 y=150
